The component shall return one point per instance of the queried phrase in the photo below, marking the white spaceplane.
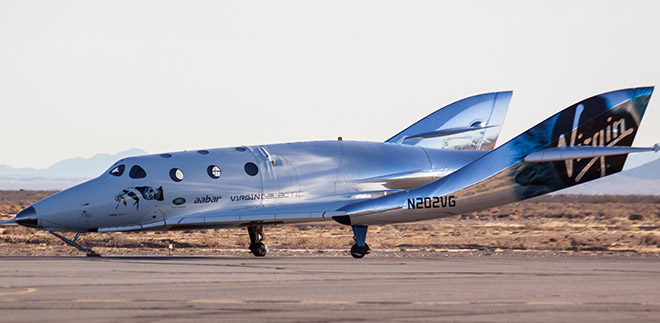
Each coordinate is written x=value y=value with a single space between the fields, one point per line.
x=444 y=165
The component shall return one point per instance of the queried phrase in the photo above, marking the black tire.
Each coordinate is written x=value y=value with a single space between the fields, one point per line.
x=359 y=252
x=259 y=249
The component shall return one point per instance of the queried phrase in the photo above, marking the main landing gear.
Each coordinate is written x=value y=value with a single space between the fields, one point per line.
x=89 y=251
x=360 y=248
x=257 y=247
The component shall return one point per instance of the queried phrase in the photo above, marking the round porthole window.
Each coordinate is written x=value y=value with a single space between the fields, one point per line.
x=251 y=169
x=176 y=174
x=214 y=171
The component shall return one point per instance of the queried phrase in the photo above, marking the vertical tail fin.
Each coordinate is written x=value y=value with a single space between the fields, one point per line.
x=472 y=123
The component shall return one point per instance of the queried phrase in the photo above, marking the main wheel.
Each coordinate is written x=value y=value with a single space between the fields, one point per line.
x=258 y=249
x=359 y=252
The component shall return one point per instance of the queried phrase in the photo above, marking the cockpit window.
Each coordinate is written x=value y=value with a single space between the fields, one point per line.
x=118 y=171
x=137 y=172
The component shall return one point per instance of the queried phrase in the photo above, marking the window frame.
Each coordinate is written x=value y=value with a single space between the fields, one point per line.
x=173 y=174
x=211 y=168
x=121 y=168
x=137 y=168
x=250 y=166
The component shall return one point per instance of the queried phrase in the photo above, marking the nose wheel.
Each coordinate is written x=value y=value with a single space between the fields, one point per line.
x=257 y=247
x=360 y=248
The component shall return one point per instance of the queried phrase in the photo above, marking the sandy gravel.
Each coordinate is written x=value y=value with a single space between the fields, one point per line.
x=547 y=226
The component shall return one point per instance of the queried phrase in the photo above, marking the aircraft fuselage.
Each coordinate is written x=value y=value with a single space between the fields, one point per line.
x=243 y=179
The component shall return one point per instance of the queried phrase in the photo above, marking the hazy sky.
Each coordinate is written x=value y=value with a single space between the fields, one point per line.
x=84 y=77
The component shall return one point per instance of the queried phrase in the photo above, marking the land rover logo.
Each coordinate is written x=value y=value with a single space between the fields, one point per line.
x=179 y=200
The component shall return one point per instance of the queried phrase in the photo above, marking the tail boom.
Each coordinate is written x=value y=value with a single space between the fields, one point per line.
x=605 y=125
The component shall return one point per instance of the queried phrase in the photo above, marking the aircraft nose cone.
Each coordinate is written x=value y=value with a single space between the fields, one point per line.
x=27 y=217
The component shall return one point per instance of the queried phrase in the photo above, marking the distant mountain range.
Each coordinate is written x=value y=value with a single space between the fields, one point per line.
x=61 y=175
x=640 y=180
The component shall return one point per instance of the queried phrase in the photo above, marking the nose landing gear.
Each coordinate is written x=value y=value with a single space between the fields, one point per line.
x=360 y=248
x=257 y=247
x=89 y=251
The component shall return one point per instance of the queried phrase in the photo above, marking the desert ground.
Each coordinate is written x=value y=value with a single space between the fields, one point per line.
x=553 y=225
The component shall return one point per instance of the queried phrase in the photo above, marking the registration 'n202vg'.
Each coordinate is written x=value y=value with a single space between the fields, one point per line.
x=431 y=202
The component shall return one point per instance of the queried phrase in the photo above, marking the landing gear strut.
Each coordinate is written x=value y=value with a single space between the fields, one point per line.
x=360 y=248
x=257 y=247
x=89 y=251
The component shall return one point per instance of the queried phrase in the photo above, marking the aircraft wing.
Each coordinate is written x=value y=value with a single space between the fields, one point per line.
x=406 y=180
x=292 y=213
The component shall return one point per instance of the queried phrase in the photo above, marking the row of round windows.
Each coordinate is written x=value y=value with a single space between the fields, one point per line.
x=177 y=175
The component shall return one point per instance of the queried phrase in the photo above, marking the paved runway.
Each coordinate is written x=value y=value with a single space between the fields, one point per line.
x=492 y=288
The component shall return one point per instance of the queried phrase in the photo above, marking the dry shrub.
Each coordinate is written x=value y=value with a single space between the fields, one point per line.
x=575 y=242
x=426 y=227
x=302 y=241
x=209 y=241
x=650 y=240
